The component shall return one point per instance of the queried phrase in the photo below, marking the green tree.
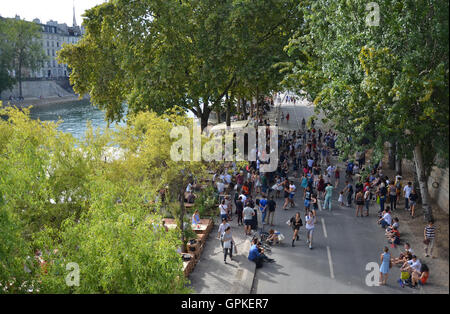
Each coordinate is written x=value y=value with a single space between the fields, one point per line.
x=6 y=80
x=158 y=54
x=75 y=202
x=21 y=39
x=379 y=83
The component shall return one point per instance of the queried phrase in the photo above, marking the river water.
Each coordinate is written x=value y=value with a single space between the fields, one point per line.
x=74 y=116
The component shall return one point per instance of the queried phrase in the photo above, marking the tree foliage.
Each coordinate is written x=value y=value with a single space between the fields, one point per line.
x=20 y=49
x=378 y=83
x=92 y=202
x=156 y=54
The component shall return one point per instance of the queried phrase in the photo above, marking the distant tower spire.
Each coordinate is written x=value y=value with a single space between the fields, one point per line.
x=74 y=20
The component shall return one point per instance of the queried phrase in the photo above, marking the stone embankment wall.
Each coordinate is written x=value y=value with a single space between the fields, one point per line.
x=36 y=90
x=437 y=183
x=438 y=187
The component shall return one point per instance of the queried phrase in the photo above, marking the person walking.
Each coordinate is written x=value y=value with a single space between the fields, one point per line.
x=393 y=195
x=248 y=213
x=413 y=201
x=307 y=196
x=286 y=193
x=382 y=192
x=385 y=266
x=287 y=118
x=367 y=197
x=263 y=209
x=328 y=194
x=271 y=205
x=296 y=222
x=349 y=190
x=310 y=221
x=406 y=192
x=359 y=198
x=239 y=209
x=337 y=175
x=222 y=227
x=429 y=235
x=292 y=189
x=228 y=243
x=223 y=210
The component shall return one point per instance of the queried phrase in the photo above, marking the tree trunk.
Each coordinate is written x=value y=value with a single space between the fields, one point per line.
x=398 y=161
x=204 y=117
x=19 y=77
x=181 y=222
x=244 y=108
x=392 y=154
x=228 y=102
x=423 y=182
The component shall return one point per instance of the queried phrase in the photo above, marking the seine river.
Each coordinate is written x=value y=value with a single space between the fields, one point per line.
x=74 y=116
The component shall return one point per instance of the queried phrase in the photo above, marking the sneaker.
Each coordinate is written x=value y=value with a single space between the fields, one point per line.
x=310 y=247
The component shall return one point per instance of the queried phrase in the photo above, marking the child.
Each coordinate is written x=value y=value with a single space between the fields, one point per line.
x=341 y=198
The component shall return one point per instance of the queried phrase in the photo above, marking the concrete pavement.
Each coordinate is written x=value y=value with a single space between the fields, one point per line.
x=342 y=246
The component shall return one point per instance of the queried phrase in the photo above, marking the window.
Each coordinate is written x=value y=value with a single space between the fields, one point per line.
x=53 y=53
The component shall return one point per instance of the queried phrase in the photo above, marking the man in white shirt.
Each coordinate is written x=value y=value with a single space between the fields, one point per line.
x=386 y=220
x=248 y=214
x=414 y=264
x=331 y=170
x=228 y=178
x=220 y=187
x=406 y=192
x=310 y=163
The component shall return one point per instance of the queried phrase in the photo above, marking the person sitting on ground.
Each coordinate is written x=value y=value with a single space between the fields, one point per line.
x=273 y=237
x=394 y=237
x=408 y=251
x=390 y=230
x=386 y=220
x=257 y=255
x=420 y=277
x=412 y=265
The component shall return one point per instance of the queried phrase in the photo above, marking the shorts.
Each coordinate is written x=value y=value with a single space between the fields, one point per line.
x=224 y=216
x=307 y=203
x=286 y=194
x=291 y=195
x=247 y=222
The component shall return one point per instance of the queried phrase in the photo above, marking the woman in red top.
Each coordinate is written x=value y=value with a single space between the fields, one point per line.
x=420 y=277
x=336 y=176
x=287 y=118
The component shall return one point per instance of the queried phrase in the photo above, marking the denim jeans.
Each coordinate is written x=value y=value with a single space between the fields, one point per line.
x=382 y=200
x=327 y=202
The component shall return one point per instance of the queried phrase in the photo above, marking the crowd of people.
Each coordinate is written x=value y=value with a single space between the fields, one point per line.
x=305 y=156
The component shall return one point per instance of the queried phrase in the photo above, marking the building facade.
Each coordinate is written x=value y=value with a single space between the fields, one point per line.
x=54 y=36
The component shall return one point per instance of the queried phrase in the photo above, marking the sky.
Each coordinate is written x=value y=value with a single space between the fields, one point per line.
x=45 y=10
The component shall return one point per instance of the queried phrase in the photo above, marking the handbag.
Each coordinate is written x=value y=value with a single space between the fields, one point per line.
x=404 y=275
x=426 y=241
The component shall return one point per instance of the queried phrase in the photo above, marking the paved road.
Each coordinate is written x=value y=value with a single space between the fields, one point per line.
x=343 y=244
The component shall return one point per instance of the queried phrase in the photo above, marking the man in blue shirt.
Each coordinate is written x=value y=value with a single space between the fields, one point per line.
x=263 y=209
x=256 y=254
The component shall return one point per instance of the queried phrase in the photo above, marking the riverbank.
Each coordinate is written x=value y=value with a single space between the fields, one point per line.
x=42 y=102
